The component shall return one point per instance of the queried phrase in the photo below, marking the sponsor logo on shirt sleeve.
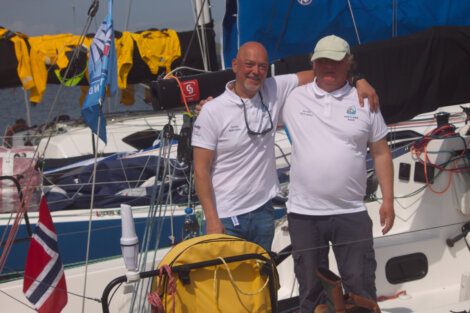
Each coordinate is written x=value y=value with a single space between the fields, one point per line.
x=196 y=130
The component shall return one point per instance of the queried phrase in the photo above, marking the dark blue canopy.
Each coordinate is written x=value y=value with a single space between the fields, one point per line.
x=288 y=28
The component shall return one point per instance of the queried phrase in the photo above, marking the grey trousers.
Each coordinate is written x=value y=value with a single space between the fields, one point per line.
x=351 y=238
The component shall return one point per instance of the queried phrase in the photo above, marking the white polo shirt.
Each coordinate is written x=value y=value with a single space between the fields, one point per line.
x=329 y=133
x=244 y=169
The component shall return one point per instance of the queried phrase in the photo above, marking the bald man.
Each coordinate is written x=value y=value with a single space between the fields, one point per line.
x=233 y=140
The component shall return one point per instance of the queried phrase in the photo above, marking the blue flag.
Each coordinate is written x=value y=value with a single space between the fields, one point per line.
x=102 y=72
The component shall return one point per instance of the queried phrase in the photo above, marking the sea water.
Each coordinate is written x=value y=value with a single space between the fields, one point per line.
x=13 y=104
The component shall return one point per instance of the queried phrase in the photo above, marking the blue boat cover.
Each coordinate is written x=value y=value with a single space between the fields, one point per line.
x=118 y=180
x=288 y=28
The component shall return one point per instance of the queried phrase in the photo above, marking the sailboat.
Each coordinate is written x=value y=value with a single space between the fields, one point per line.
x=423 y=262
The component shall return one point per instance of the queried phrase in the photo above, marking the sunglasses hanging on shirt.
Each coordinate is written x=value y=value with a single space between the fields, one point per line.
x=265 y=131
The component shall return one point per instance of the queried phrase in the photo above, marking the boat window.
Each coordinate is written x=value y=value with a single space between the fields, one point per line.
x=423 y=176
x=406 y=268
x=403 y=134
x=404 y=171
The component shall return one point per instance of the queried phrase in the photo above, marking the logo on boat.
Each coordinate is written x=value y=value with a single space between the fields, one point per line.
x=304 y=2
x=190 y=90
x=351 y=113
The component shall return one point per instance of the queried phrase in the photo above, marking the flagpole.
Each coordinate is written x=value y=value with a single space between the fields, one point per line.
x=102 y=73
x=92 y=200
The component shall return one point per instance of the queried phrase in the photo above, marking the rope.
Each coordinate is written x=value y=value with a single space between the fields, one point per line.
x=27 y=193
x=395 y=296
x=426 y=176
x=154 y=298
x=156 y=218
x=232 y=281
x=181 y=91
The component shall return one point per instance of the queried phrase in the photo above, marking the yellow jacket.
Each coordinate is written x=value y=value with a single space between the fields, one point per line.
x=22 y=55
x=158 y=48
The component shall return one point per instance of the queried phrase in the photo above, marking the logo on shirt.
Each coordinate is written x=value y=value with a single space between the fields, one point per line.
x=306 y=113
x=234 y=128
x=351 y=113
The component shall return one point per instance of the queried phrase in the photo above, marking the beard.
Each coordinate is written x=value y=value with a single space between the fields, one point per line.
x=252 y=84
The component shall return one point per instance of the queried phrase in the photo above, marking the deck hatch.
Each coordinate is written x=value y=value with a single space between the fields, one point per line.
x=406 y=268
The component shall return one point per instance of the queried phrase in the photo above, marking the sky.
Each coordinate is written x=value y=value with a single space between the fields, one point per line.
x=69 y=16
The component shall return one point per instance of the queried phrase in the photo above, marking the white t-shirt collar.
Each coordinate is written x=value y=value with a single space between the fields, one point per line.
x=338 y=93
x=232 y=96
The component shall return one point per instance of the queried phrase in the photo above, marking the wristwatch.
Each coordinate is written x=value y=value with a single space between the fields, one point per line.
x=355 y=77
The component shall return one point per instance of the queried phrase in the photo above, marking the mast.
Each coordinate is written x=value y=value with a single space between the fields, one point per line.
x=203 y=17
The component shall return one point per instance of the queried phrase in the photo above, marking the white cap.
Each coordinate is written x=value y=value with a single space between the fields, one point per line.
x=331 y=47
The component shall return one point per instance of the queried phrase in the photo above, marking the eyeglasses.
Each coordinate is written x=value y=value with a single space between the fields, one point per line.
x=265 y=108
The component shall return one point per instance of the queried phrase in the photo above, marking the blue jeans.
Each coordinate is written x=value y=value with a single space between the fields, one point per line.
x=256 y=226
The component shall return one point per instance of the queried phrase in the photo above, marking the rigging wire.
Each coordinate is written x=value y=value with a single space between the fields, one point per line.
x=201 y=30
x=18 y=300
x=90 y=220
x=91 y=14
x=129 y=7
x=186 y=53
x=351 y=242
x=37 y=154
x=179 y=68
x=354 y=22
x=49 y=285
x=150 y=224
x=394 y=18
x=161 y=219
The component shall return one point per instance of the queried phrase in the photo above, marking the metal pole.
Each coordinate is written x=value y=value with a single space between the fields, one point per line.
x=28 y=112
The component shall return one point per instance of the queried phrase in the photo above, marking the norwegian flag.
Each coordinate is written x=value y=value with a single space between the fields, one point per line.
x=44 y=279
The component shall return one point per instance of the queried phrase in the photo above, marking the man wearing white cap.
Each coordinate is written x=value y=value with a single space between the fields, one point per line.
x=330 y=133
x=233 y=140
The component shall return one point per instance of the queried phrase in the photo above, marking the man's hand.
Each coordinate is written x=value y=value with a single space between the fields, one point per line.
x=387 y=217
x=201 y=103
x=365 y=90
x=214 y=227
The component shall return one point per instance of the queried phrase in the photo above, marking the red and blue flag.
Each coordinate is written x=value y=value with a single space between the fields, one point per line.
x=44 y=280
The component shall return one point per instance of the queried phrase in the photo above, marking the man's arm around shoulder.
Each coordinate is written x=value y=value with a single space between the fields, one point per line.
x=202 y=174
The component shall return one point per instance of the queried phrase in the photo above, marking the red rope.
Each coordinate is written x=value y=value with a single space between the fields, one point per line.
x=180 y=86
x=27 y=191
x=395 y=296
x=154 y=298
